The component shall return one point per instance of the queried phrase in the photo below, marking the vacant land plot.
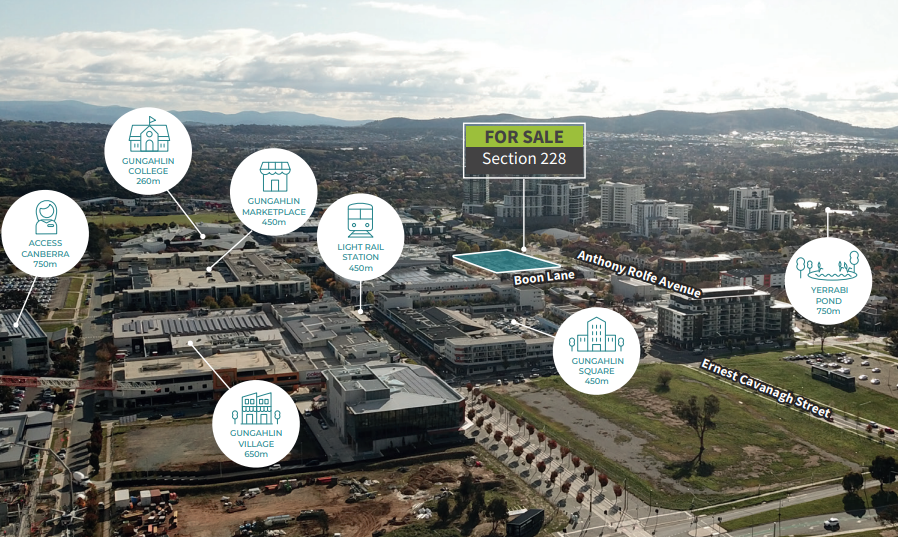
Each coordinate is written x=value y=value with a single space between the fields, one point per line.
x=393 y=508
x=139 y=445
x=634 y=434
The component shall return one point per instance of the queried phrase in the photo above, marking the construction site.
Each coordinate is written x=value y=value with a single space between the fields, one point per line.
x=367 y=503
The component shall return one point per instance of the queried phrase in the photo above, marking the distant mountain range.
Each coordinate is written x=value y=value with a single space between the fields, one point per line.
x=78 y=112
x=666 y=122
x=662 y=122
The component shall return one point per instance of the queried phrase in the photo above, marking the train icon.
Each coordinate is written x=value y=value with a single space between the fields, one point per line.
x=360 y=220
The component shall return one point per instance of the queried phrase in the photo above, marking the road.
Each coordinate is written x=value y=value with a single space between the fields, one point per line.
x=811 y=525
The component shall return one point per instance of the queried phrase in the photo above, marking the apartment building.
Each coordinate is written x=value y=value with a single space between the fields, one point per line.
x=751 y=209
x=617 y=201
x=738 y=313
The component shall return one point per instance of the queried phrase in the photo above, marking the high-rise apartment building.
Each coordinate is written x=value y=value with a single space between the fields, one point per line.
x=476 y=194
x=617 y=202
x=651 y=217
x=751 y=208
x=545 y=203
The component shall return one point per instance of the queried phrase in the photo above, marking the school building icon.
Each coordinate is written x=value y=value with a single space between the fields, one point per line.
x=256 y=409
x=149 y=138
x=597 y=338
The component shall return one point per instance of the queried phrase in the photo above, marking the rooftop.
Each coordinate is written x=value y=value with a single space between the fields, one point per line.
x=502 y=261
x=28 y=327
x=410 y=386
x=189 y=323
x=166 y=367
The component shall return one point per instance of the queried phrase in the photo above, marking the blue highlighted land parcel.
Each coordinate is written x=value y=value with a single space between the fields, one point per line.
x=501 y=261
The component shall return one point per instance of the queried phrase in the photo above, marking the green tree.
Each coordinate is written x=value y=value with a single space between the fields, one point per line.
x=884 y=469
x=497 y=512
x=77 y=332
x=852 y=482
x=851 y=325
x=443 y=510
x=461 y=247
x=699 y=418
x=369 y=298
x=664 y=378
x=245 y=301
x=210 y=302
x=227 y=302
x=822 y=331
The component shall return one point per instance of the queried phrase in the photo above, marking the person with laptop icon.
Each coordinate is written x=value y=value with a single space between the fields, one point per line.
x=46 y=218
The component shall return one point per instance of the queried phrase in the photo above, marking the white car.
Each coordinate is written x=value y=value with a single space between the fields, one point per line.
x=831 y=524
x=876 y=370
x=874 y=381
x=862 y=377
x=865 y=363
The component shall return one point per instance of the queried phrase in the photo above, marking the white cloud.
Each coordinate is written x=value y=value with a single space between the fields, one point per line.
x=421 y=9
x=358 y=75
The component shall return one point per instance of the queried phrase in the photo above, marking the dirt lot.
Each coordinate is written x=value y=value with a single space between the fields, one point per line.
x=203 y=516
x=196 y=446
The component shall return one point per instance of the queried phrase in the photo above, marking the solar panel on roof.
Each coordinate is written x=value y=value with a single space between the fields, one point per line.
x=152 y=324
x=139 y=330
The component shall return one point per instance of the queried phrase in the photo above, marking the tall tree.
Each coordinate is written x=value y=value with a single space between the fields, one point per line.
x=852 y=482
x=699 y=418
x=823 y=331
x=884 y=469
x=497 y=512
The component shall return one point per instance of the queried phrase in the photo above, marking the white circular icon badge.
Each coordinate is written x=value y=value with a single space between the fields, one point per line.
x=273 y=192
x=255 y=423
x=828 y=281
x=148 y=151
x=596 y=351
x=360 y=237
x=45 y=233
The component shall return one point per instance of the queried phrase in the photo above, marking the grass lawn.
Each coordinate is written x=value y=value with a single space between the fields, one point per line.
x=854 y=505
x=756 y=442
x=796 y=376
x=113 y=220
x=748 y=502
x=52 y=327
x=71 y=300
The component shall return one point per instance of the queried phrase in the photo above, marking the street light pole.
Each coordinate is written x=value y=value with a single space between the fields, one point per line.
x=69 y=470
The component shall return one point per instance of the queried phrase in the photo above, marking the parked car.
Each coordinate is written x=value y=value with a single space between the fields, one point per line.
x=155 y=417
x=831 y=524
x=274 y=467
x=874 y=381
x=865 y=363
x=876 y=370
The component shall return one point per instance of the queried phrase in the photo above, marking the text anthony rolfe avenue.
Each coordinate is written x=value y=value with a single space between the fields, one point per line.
x=781 y=396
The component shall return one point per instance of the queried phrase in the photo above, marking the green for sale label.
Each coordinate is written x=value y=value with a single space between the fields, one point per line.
x=522 y=149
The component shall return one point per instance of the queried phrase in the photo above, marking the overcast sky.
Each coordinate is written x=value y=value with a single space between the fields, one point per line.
x=373 y=59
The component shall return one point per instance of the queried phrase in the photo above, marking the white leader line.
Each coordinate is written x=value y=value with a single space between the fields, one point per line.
x=207 y=363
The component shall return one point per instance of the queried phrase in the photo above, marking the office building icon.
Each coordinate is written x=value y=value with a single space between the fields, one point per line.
x=360 y=220
x=274 y=176
x=596 y=338
x=256 y=409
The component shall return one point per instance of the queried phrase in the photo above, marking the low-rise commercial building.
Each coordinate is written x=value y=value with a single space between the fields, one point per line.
x=186 y=378
x=31 y=428
x=22 y=347
x=392 y=405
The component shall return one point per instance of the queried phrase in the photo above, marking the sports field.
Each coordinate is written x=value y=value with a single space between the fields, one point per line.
x=501 y=261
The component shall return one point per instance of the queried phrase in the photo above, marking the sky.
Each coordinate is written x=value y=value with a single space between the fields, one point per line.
x=377 y=59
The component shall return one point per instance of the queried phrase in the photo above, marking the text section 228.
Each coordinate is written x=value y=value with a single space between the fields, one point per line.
x=523 y=149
